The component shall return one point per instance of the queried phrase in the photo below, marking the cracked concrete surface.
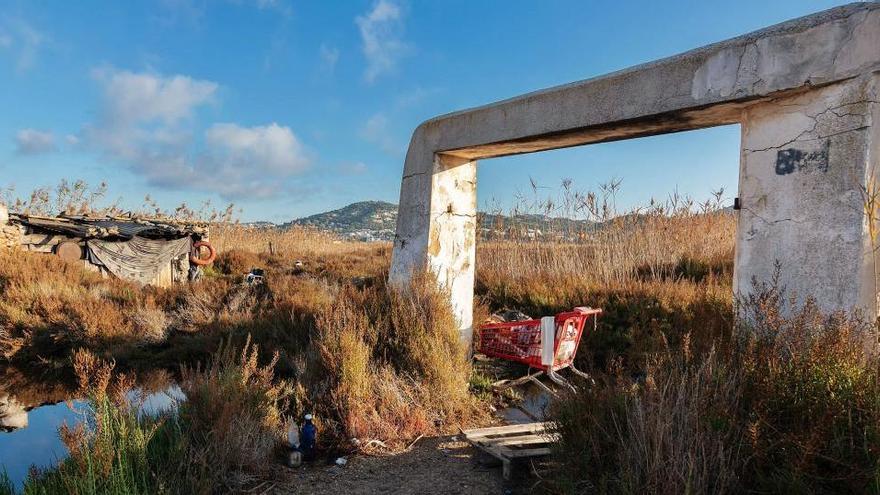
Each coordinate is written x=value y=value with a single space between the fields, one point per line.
x=805 y=92
x=803 y=174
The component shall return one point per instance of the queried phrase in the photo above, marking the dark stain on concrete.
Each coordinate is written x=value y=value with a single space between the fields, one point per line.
x=794 y=160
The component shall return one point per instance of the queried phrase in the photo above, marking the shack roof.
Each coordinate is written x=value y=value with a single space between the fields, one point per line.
x=104 y=227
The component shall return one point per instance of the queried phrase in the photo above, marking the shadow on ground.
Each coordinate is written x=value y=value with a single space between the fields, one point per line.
x=433 y=465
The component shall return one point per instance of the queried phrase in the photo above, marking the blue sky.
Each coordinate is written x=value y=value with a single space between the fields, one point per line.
x=288 y=108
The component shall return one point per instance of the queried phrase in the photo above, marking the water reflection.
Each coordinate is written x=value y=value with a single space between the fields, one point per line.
x=533 y=406
x=12 y=414
x=29 y=421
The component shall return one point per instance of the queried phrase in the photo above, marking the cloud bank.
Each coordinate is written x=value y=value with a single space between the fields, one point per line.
x=147 y=121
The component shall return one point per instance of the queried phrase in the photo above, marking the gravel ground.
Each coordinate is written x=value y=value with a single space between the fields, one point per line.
x=434 y=465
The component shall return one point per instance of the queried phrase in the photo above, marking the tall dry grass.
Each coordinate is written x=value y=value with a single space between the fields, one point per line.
x=393 y=363
x=786 y=404
x=668 y=433
x=287 y=242
x=371 y=362
x=650 y=246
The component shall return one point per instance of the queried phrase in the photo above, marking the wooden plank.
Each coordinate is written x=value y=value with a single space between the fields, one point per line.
x=513 y=454
x=525 y=428
x=498 y=437
x=512 y=442
x=531 y=440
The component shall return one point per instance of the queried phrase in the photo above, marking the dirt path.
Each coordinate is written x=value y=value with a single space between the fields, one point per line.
x=434 y=465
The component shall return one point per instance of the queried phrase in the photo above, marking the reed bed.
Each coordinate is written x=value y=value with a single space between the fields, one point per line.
x=288 y=241
x=622 y=250
x=682 y=400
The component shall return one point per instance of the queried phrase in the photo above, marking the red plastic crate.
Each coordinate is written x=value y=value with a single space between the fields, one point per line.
x=521 y=341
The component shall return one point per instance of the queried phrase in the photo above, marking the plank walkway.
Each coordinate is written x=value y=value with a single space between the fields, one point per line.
x=512 y=442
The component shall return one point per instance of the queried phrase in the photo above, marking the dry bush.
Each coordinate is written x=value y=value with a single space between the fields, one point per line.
x=232 y=417
x=196 y=306
x=812 y=396
x=790 y=402
x=392 y=364
x=110 y=451
x=229 y=427
x=151 y=324
x=236 y=262
x=670 y=432
x=48 y=304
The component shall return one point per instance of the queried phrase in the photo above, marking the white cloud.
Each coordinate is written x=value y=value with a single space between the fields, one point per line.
x=329 y=57
x=22 y=42
x=380 y=31
x=32 y=141
x=147 y=123
x=375 y=130
x=250 y=160
x=131 y=98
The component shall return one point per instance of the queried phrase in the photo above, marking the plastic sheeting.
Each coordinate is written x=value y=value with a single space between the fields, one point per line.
x=139 y=259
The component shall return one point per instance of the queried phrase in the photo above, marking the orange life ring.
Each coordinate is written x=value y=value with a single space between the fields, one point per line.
x=198 y=260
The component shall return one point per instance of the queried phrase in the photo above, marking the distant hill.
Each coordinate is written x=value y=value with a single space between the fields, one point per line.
x=377 y=220
x=363 y=221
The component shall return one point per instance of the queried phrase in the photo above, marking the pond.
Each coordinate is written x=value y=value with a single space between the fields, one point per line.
x=533 y=406
x=29 y=424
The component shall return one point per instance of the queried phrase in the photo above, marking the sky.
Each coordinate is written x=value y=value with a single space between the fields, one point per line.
x=287 y=108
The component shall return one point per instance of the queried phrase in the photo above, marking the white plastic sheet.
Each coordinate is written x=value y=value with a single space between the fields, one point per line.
x=139 y=259
x=548 y=339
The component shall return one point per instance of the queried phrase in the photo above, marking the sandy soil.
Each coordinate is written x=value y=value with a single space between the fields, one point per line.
x=434 y=465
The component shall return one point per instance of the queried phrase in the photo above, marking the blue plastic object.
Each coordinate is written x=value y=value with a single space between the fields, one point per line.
x=308 y=438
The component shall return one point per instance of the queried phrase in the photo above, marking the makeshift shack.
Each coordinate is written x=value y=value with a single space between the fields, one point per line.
x=155 y=251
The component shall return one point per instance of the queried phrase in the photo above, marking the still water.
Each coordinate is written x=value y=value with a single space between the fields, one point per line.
x=29 y=434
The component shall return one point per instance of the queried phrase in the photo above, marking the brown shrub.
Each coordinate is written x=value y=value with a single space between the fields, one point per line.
x=48 y=304
x=151 y=324
x=787 y=404
x=236 y=262
x=232 y=416
x=392 y=364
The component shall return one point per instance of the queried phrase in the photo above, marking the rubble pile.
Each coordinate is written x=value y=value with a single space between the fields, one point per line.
x=10 y=235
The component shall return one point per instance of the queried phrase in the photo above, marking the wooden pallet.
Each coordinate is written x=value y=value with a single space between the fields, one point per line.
x=512 y=442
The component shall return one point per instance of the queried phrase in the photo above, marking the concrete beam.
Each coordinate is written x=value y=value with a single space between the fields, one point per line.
x=696 y=89
x=714 y=85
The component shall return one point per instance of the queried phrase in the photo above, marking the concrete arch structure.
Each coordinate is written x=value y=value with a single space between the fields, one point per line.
x=807 y=95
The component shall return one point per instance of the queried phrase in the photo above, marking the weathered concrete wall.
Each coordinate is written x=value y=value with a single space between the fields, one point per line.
x=807 y=61
x=807 y=161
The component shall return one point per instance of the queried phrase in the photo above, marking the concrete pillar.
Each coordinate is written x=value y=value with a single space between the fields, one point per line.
x=807 y=162
x=436 y=228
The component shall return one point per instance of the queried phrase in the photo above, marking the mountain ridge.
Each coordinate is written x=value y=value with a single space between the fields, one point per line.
x=377 y=221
